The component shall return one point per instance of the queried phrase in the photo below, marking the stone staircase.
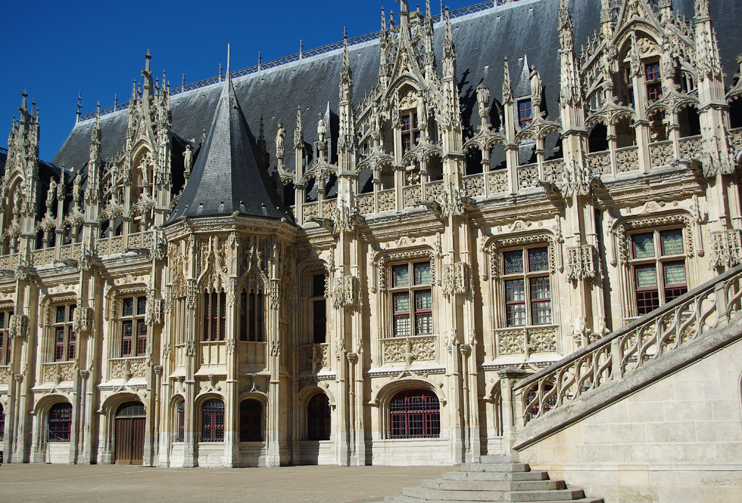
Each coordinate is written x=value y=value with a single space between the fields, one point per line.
x=494 y=478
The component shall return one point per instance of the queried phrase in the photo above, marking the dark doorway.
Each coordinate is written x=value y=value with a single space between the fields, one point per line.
x=130 y=420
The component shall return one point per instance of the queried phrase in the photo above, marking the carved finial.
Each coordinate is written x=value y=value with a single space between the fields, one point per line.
x=507 y=86
x=97 y=110
x=23 y=103
x=79 y=104
x=115 y=101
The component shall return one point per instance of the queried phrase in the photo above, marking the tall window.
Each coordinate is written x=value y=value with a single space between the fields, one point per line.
x=181 y=421
x=658 y=261
x=60 y=422
x=412 y=301
x=318 y=417
x=213 y=421
x=133 y=326
x=527 y=287
x=410 y=133
x=65 y=338
x=524 y=112
x=252 y=326
x=251 y=415
x=5 y=343
x=654 y=83
x=215 y=316
x=319 y=309
x=415 y=414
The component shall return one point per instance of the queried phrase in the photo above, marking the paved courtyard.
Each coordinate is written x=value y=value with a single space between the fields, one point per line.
x=132 y=484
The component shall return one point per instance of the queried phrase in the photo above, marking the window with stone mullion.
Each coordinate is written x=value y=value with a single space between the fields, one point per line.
x=133 y=326
x=215 y=316
x=658 y=268
x=5 y=343
x=65 y=338
x=527 y=287
x=412 y=300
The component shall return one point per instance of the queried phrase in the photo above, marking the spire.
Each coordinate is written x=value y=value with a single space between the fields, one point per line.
x=346 y=74
x=566 y=39
x=507 y=86
x=449 y=50
x=299 y=131
x=229 y=168
x=228 y=79
x=24 y=107
x=79 y=105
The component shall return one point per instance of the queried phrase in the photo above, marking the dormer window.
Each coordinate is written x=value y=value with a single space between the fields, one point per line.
x=654 y=85
x=410 y=133
x=524 y=112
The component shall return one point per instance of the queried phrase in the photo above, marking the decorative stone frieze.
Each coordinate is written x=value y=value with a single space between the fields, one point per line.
x=345 y=291
x=582 y=262
x=18 y=327
x=128 y=368
x=726 y=248
x=83 y=320
x=456 y=279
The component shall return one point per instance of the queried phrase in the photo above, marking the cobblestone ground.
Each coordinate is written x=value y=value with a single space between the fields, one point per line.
x=29 y=483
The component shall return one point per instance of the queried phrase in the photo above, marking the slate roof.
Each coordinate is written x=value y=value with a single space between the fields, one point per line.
x=228 y=175
x=527 y=28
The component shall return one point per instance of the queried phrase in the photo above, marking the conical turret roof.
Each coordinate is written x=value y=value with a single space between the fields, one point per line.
x=229 y=175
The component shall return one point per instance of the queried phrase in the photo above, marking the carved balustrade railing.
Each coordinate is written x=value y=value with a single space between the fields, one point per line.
x=9 y=261
x=432 y=189
x=498 y=181
x=735 y=139
x=365 y=203
x=553 y=170
x=691 y=147
x=474 y=185
x=311 y=209
x=627 y=159
x=661 y=153
x=58 y=372
x=599 y=163
x=127 y=368
x=409 y=349
x=387 y=200
x=411 y=194
x=328 y=206
x=527 y=176
x=522 y=341
x=649 y=338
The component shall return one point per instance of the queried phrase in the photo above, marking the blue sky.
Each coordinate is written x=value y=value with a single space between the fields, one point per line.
x=55 y=48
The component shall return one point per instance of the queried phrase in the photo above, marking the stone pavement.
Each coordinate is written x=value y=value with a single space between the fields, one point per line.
x=30 y=483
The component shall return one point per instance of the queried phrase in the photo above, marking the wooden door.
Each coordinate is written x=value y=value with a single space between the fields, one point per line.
x=129 y=440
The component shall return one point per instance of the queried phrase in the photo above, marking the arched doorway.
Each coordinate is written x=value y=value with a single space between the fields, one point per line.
x=130 y=419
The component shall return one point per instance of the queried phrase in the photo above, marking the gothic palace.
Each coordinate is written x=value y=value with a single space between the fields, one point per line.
x=326 y=259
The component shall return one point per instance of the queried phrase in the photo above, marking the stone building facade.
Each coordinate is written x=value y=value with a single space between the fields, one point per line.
x=188 y=293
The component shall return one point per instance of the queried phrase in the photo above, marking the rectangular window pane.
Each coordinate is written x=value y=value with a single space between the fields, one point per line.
x=71 y=316
x=401 y=325
x=423 y=300
x=60 y=314
x=515 y=290
x=647 y=301
x=538 y=259
x=672 y=242
x=141 y=305
x=675 y=273
x=401 y=275
x=401 y=302
x=423 y=324
x=516 y=315
x=513 y=262
x=646 y=276
x=128 y=307
x=643 y=245
x=540 y=288
x=541 y=312
x=422 y=273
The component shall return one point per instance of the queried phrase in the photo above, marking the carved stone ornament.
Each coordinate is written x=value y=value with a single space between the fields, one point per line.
x=155 y=309
x=726 y=248
x=582 y=262
x=18 y=326
x=82 y=320
x=275 y=348
x=345 y=292
x=456 y=279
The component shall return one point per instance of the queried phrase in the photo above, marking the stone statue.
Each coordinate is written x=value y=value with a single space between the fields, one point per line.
x=483 y=97
x=50 y=196
x=322 y=132
x=17 y=202
x=422 y=112
x=188 y=159
x=280 y=138
x=536 y=86
x=76 y=187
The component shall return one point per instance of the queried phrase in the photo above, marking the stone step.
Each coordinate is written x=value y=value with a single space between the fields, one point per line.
x=484 y=485
x=495 y=458
x=496 y=476
x=542 y=496
x=495 y=467
x=408 y=499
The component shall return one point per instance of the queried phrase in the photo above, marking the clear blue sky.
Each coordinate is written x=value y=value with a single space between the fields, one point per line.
x=55 y=48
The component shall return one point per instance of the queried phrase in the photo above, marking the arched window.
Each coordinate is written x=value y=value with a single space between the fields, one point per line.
x=60 y=422
x=213 y=421
x=181 y=421
x=251 y=415
x=415 y=414
x=318 y=417
x=2 y=422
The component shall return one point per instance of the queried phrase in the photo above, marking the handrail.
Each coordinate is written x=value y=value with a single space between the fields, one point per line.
x=647 y=338
x=300 y=56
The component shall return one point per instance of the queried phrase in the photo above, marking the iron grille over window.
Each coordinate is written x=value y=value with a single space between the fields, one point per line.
x=527 y=287
x=60 y=422
x=251 y=415
x=215 y=316
x=412 y=300
x=318 y=417
x=65 y=338
x=5 y=342
x=658 y=252
x=133 y=326
x=415 y=414
x=213 y=421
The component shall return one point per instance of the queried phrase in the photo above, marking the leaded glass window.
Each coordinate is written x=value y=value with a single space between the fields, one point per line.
x=133 y=326
x=412 y=302
x=527 y=287
x=658 y=262
x=65 y=338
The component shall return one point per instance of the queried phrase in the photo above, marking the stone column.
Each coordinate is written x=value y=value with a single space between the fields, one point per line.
x=511 y=408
